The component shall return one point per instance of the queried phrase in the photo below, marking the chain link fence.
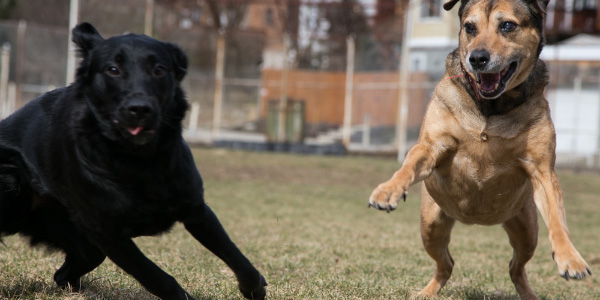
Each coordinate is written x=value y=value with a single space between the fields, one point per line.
x=289 y=64
x=34 y=62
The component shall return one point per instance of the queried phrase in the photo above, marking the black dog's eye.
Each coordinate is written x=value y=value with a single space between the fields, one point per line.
x=159 y=71
x=508 y=26
x=469 y=28
x=113 y=71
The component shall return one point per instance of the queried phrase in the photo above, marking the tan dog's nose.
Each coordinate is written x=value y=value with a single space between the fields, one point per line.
x=479 y=59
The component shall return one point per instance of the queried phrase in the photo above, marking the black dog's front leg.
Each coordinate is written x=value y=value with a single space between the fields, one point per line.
x=125 y=254
x=207 y=229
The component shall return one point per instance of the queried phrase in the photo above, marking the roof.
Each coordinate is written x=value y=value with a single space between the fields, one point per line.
x=582 y=47
x=582 y=39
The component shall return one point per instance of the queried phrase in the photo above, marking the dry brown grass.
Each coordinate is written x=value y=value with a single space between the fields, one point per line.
x=304 y=222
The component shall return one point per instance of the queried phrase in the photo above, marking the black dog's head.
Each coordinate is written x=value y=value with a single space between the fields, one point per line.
x=131 y=83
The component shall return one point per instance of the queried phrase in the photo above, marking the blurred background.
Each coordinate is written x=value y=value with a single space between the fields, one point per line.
x=305 y=76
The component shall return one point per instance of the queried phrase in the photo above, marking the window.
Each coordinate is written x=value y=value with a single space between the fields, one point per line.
x=585 y=4
x=591 y=4
x=431 y=9
x=269 y=17
x=418 y=61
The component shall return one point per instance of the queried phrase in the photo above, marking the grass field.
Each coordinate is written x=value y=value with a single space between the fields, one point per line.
x=304 y=222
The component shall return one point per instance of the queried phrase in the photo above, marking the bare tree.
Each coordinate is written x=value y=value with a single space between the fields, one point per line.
x=6 y=8
x=227 y=14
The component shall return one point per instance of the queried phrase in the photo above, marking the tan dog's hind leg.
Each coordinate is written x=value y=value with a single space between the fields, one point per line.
x=436 y=227
x=522 y=232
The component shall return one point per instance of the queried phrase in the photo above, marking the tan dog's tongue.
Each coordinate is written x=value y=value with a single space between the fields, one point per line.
x=489 y=81
x=135 y=130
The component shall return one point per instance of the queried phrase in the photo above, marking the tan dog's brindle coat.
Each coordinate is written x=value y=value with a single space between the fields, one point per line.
x=486 y=147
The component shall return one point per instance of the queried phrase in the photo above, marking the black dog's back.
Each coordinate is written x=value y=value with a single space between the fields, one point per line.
x=29 y=133
x=27 y=206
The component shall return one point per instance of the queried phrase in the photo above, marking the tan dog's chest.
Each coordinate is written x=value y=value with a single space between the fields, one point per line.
x=481 y=182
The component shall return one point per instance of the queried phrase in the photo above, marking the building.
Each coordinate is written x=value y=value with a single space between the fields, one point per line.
x=566 y=18
x=574 y=97
x=433 y=35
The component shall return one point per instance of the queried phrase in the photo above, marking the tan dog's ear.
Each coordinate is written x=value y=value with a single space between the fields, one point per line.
x=450 y=4
x=538 y=5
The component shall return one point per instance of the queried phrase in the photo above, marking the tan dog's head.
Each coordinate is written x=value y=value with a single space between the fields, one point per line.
x=499 y=41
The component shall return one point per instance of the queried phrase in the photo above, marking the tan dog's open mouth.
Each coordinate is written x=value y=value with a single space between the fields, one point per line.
x=491 y=85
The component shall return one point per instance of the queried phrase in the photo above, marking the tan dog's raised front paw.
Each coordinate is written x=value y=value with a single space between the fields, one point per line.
x=571 y=264
x=386 y=196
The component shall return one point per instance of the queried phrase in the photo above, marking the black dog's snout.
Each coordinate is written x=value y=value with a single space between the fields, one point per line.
x=139 y=109
x=479 y=59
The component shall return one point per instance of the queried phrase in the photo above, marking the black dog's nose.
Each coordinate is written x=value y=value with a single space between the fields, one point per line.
x=479 y=59
x=139 y=109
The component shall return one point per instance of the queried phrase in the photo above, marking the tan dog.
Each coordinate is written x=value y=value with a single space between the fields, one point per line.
x=486 y=147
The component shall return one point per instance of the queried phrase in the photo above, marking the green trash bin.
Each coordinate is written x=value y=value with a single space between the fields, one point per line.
x=294 y=121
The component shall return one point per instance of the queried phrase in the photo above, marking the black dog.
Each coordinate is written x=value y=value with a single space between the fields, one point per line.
x=85 y=168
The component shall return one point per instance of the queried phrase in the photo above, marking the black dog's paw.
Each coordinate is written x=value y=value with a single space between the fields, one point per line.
x=62 y=278
x=258 y=293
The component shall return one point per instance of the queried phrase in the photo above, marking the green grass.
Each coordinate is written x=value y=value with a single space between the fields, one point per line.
x=304 y=222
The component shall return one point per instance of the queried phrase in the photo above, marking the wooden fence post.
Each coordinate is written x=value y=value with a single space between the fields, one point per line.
x=283 y=100
x=148 y=17
x=73 y=19
x=4 y=73
x=219 y=74
x=401 y=122
x=346 y=131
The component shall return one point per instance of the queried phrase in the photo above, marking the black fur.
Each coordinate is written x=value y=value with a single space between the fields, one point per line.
x=85 y=168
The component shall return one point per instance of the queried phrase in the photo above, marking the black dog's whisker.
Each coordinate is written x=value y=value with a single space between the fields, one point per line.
x=169 y=124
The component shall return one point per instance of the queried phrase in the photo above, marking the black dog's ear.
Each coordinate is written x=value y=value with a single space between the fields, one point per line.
x=180 y=61
x=86 y=37
x=450 y=4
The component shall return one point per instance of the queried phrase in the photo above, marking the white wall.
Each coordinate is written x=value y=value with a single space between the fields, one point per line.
x=576 y=117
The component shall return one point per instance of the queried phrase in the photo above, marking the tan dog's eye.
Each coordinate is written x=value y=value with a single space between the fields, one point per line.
x=508 y=26
x=470 y=28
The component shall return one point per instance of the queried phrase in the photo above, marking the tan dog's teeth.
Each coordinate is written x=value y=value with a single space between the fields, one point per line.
x=505 y=71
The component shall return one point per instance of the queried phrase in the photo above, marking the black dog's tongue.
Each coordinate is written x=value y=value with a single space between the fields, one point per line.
x=135 y=130
x=489 y=81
